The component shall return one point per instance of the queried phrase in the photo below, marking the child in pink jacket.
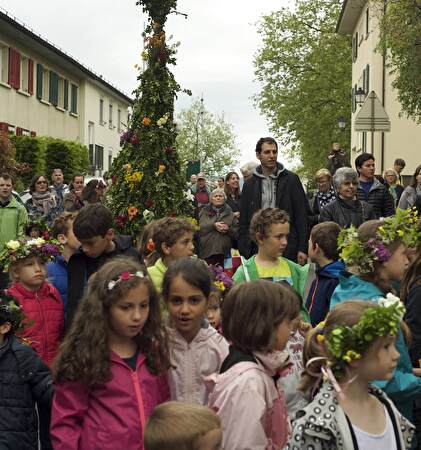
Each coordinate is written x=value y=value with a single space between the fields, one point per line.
x=111 y=370
x=196 y=349
x=258 y=319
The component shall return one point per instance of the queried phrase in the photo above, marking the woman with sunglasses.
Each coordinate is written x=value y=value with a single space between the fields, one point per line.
x=42 y=202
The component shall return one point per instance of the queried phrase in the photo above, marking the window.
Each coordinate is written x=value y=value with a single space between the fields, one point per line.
x=99 y=157
x=364 y=146
x=119 y=120
x=110 y=159
x=354 y=99
x=45 y=84
x=24 y=74
x=4 y=63
x=101 y=111
x=367 y=22
x=367 y=79
x=73 y=99
x=91 y=156
x=60 y=92
x=355 y=47
x=110 y=116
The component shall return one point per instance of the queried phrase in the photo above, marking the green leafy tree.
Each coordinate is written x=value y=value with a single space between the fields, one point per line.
x=400 y=38
x=8 y=162
x=30 y=151
x=147 y=177
x=304 y=68
x=207 y=138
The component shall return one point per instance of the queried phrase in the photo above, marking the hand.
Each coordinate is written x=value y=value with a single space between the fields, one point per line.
x=221 y=227
x=304 y=328
x=302 y=258
x=237 y=214
x=416 y=371
x=330 y=156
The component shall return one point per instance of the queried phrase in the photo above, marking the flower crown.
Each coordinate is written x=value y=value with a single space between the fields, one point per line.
x=10 y=311
x=363 y=254
x=124 y=276
x=220 y=279
x=15 y=250
x=346 y=344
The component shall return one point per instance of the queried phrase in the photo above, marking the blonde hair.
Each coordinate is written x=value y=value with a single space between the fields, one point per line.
x=346 y=314
x=178 y=425
x=393 y=171
x=323 y=173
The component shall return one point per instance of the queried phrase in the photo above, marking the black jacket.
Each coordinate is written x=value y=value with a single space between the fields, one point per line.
x=80 y=267
x=290 y=197
x=347 y=213
x=379 y=198
x=24 y=381
x=339 y=160
x=413 y=320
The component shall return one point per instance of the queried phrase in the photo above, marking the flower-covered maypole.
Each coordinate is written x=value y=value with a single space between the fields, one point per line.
x=147 y=181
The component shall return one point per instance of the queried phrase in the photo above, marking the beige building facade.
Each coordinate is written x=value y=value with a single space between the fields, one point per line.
x=360 y=19
x=46 y=92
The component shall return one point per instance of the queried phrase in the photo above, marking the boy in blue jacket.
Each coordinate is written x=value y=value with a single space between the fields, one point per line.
x=323 y=250
x=62 y=230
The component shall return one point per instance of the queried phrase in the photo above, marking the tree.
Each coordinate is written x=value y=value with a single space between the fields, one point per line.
x=8 y=162
x=146 y=175
x=207 y=138
x=304 y=68
x=400 y=38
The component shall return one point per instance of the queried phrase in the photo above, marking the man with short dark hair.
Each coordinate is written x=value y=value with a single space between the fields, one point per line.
x=93 y=227
x=370 y=189
x=273 y=186
x=399 y=165
x=13 y=219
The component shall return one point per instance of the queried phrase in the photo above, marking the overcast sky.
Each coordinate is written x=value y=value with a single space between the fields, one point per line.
x=218 y=41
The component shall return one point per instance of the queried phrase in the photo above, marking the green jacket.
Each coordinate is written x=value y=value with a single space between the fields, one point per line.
x=298 y=275
x=157 y=272
x=13 y=219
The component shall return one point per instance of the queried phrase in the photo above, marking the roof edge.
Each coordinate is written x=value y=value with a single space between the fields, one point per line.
x=4 y=15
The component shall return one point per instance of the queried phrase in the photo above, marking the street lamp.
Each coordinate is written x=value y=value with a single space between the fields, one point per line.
x=360 y=96
x=341 y=123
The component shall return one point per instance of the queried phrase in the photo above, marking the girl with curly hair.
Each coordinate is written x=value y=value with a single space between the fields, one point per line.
x=111 y=370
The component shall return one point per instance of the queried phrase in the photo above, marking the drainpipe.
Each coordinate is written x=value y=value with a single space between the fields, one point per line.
x=383 y=95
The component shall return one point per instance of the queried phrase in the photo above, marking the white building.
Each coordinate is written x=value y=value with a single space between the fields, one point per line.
x=46 y=92
x=360 y=19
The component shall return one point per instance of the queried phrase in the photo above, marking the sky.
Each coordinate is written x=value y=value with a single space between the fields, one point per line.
x=218 y=41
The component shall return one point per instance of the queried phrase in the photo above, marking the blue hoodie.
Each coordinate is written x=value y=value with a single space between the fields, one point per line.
x=57 y=276
x=404 y=388
x=321 y=290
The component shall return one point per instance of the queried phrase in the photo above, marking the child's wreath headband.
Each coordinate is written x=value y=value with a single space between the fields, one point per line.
x=361 y=254
x=124 y=276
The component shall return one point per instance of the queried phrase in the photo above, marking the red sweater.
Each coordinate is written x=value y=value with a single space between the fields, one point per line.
x=45 y=313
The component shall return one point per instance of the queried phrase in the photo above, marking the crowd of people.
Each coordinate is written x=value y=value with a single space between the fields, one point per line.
x=278 y=319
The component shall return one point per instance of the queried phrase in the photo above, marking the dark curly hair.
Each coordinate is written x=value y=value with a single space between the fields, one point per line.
x=84 y=355
x=263 y=219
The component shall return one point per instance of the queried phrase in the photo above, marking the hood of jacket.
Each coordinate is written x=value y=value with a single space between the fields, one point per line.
x=331 y=270
x=46 y=290
x=279 y=169
x=205 y=334
x=352 y=287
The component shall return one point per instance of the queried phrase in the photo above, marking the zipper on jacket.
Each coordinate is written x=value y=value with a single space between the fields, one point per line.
x=140 y=405
x=44 y=331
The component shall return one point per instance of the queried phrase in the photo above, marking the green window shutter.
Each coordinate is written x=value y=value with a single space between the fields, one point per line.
x=73 y=104
x=39 y=81
x=53 y=98
x=66 y=95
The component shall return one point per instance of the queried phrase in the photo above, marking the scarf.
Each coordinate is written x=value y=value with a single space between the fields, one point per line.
x=43 y=202
x=326 y=197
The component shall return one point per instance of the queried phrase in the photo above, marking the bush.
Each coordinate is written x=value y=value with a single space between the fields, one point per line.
x=43 y=154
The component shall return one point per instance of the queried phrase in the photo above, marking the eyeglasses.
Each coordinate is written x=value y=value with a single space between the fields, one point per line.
x=41 y=182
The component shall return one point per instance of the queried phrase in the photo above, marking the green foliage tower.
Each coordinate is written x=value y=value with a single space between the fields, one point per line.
x=146 y=175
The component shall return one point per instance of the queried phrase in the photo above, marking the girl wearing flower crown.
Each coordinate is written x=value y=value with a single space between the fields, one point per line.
x=40 y=300
x=197 y=349
x=377 y=252
x=343 y=356
x=111 y=370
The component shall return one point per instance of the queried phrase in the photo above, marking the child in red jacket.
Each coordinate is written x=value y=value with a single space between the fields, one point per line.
x=39 y=300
